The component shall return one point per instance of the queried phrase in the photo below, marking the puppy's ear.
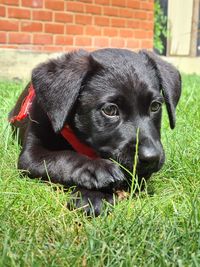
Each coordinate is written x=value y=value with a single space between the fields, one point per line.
x=58 y=82
x=170 y=83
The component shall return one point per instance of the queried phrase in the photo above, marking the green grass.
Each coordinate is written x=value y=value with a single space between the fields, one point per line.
x=158 y=228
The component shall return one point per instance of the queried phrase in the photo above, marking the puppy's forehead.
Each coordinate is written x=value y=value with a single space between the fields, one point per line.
x=125 y=71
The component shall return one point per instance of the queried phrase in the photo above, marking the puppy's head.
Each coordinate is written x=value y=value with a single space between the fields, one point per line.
x=108 y=96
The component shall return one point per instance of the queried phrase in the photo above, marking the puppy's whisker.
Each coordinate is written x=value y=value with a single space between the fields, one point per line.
x=29 y=116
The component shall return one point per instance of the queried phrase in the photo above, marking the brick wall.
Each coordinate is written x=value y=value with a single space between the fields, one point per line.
x=62 y=25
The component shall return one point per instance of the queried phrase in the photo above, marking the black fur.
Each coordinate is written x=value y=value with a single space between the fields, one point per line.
x=75 y=89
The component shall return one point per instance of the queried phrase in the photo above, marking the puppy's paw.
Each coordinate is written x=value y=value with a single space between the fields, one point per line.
x=89 y=201
x=99 y=173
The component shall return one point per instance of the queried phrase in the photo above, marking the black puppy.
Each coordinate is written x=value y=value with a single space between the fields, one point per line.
x=101 y=99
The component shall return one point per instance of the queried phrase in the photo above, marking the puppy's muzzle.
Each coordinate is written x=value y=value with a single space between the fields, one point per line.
x=150 y=158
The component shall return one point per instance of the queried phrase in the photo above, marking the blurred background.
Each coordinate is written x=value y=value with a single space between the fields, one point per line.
x=33 y=30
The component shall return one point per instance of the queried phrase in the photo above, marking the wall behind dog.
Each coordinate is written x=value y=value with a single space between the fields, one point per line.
x=62 y=25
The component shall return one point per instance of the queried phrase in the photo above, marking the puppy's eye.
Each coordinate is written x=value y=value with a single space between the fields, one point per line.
x=110 y=110
x=155 y=106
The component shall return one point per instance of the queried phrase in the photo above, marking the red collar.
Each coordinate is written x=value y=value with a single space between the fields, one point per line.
x=79 y=147
x=25 y=107
x=66 y=132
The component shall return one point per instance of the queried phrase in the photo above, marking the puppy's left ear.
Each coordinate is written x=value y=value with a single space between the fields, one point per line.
x=58 y=82
x=170 y=83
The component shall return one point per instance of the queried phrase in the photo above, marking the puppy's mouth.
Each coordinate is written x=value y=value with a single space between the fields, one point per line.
x=126 y=162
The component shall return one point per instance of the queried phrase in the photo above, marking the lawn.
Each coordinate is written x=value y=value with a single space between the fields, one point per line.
x=157 y=227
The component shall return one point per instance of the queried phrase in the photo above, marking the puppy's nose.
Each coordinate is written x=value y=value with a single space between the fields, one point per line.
x=149 y=156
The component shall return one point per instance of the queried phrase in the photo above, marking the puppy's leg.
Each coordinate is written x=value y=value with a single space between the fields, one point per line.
x=66 y=166
x=90 y=201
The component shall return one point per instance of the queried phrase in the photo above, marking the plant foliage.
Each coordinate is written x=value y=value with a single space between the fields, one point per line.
x=160 y=27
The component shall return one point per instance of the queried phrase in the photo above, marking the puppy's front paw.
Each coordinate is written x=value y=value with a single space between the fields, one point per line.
x=91 y=202
x=98 y=173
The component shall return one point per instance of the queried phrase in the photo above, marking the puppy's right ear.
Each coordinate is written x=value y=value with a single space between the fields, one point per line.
x=58 y=82
x=170 y=83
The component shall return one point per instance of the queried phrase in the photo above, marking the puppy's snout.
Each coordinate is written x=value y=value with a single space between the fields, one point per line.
x=149 y=156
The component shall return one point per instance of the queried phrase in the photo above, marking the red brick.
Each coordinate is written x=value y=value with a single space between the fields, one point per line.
x=42 y=39
x=63 y=40
x=19 y=13
x=32 y=3
x=10 y=2
x=111 y=11
x=132 y=43
x=74 y=29
x=86 y=1
x=54 y=28
x=110 y=32
x=150 y=16
x=102 y=2
x=133 y=24
x=10 y=46
x=92 y=30
x=97 y=10
x=127 y=33
x=133 y=4
x=150 y=34
x=40 y=47
x=147 y=6
x=118 y=22
x=54 y=5
x=74 y=6
x=9 y=25
x=2 y=37
x=83 y=41
x=127 y=13
x=63 y=17
x=83 y=19
x=31 y=26
x=42 y=15
x=25 y=46
x=121 y=3
x=139 y=34
x=52 y=48
x=141 y=15
x=146 y=25
x=19 y=38
x=69 y=48
x=101 y=21
x=148 y=44
x=101 y=42
x=2 y=11
x=117 y=42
